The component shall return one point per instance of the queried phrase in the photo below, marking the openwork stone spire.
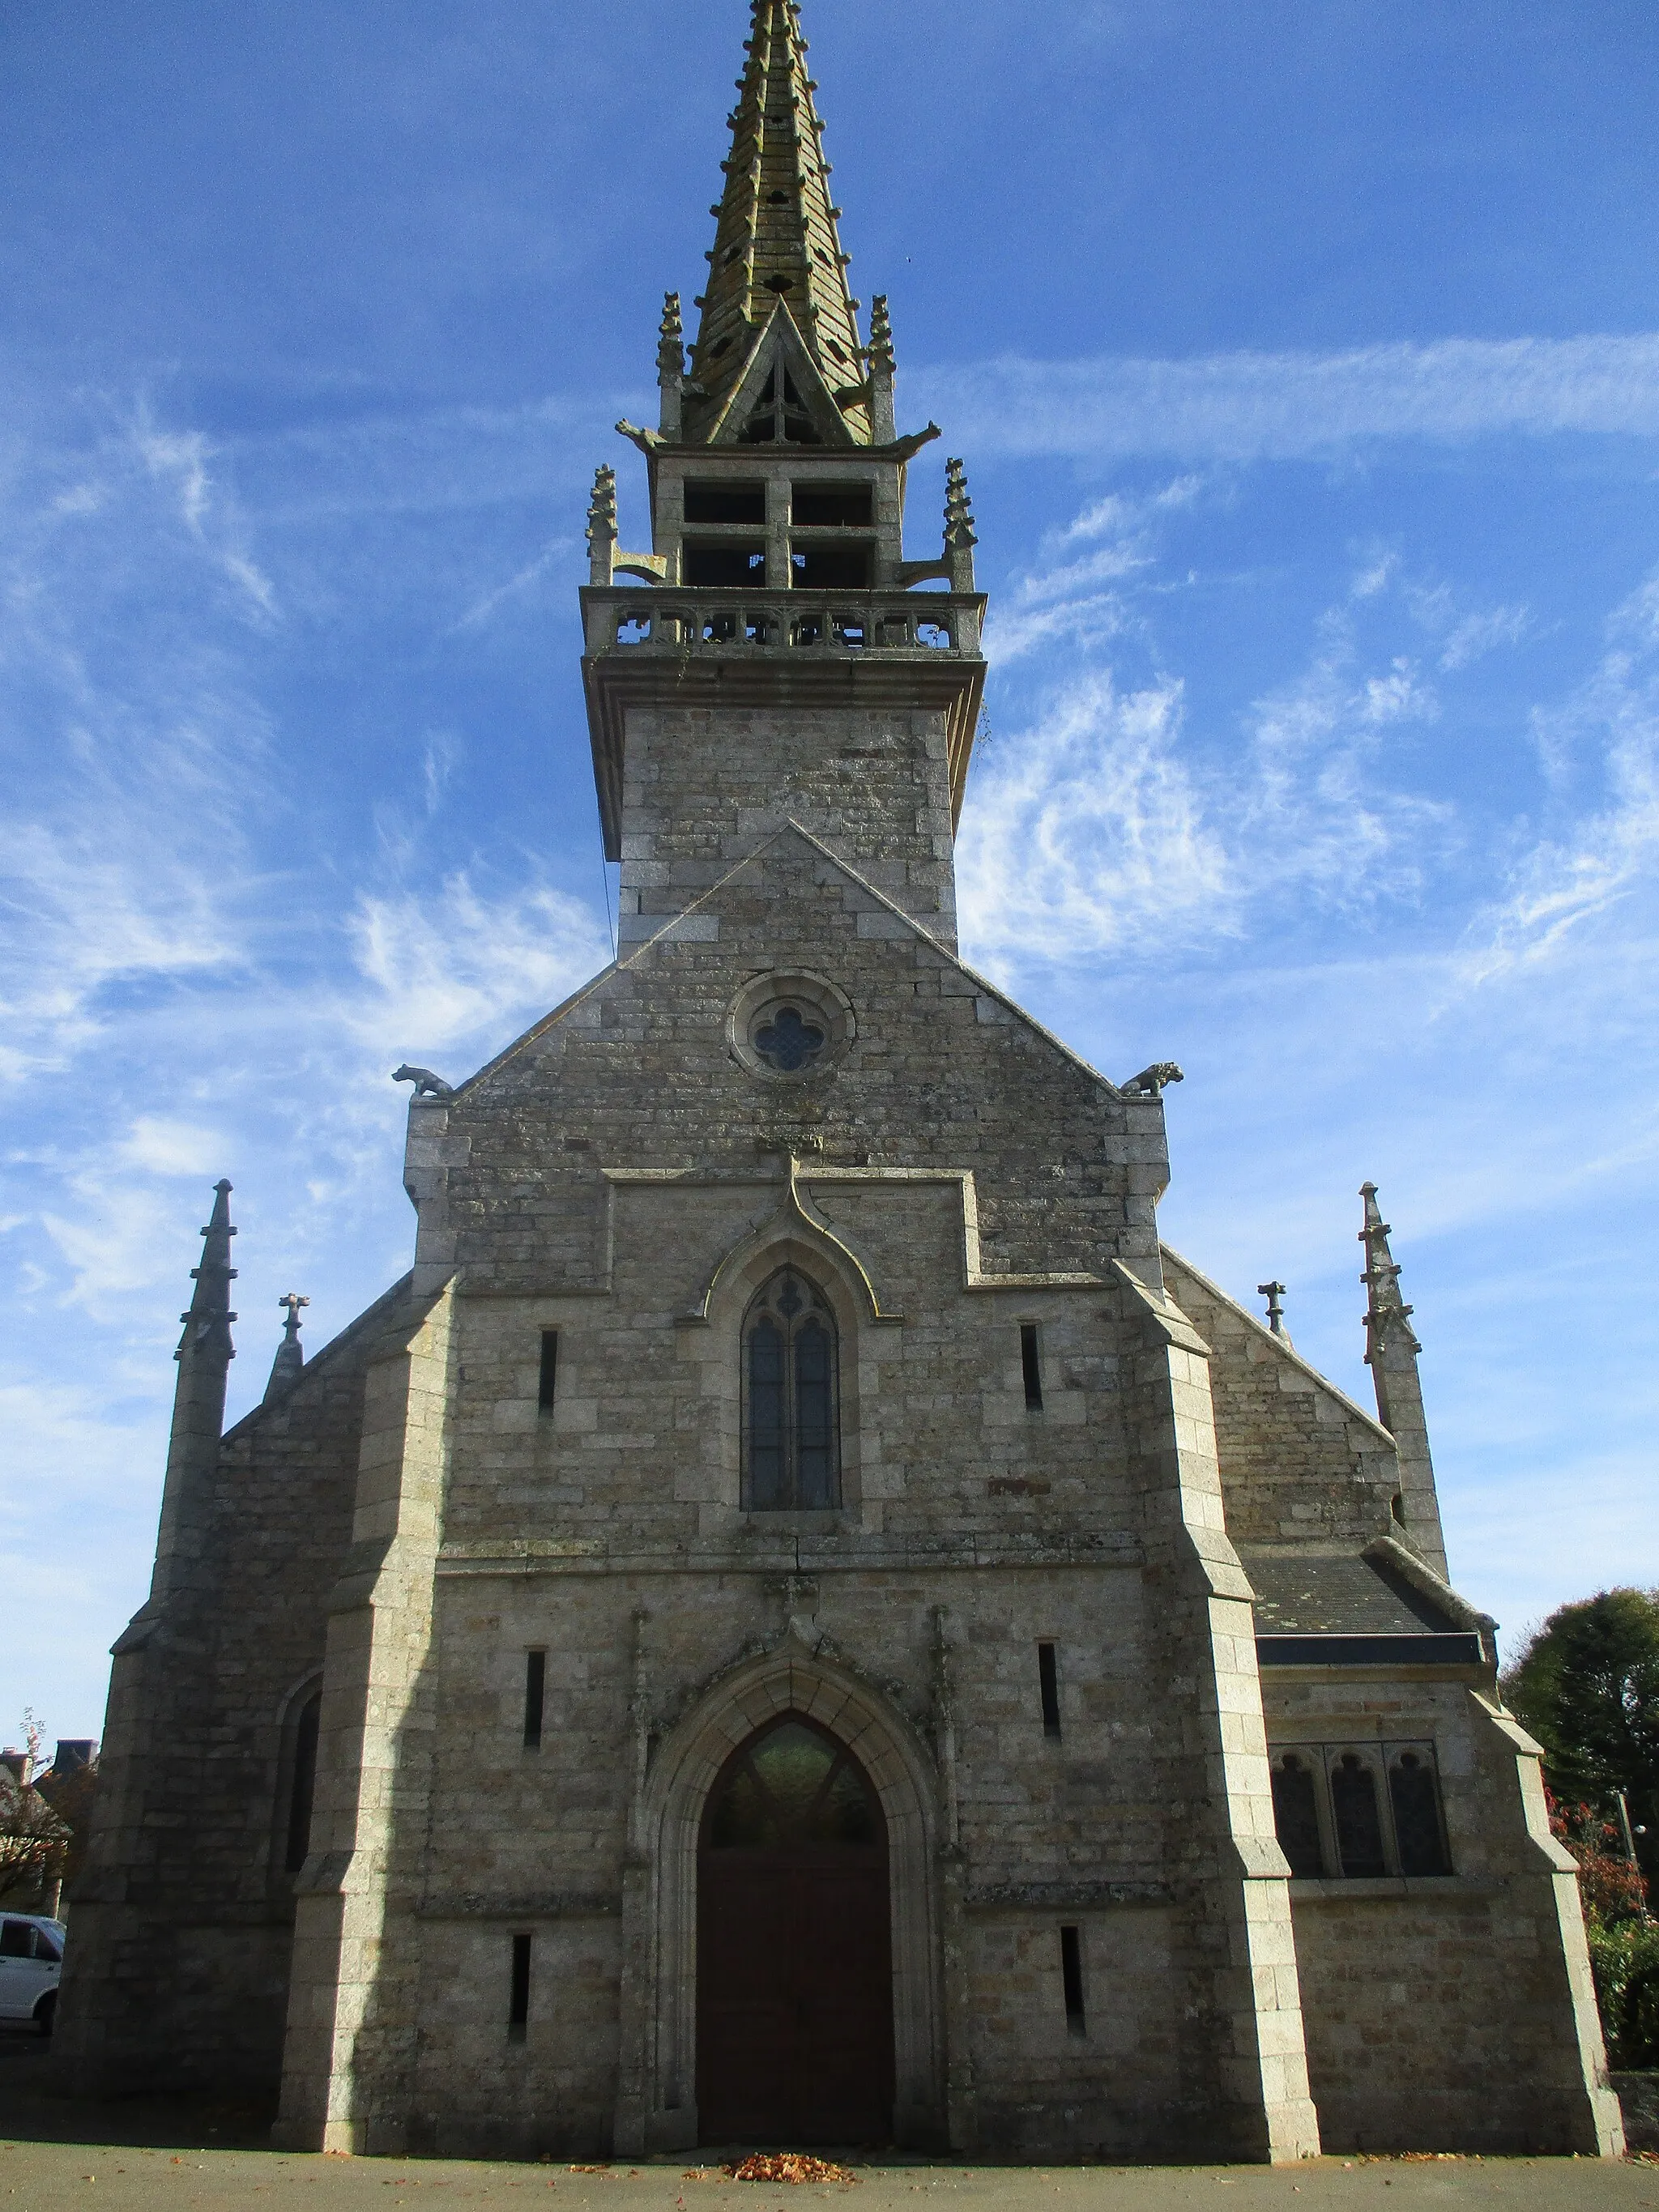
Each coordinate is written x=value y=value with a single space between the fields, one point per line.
x=775 y=238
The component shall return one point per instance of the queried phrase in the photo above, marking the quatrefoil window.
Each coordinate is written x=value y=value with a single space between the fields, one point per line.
x=787 y=1042
x=790 y=1027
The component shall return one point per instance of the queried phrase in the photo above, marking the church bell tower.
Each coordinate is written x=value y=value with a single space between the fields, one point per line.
x=771 y=659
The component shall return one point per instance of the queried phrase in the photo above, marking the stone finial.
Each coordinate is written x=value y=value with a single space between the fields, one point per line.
x=671 y=364
x=958 y=507
x=959 y=536
x=883 y=425
x=1386 y=1311
x=285 y=1369
x=1273 y=1293
x=602 y=526
x=881 y=335
x=207 y=1322
x=1391 y=1350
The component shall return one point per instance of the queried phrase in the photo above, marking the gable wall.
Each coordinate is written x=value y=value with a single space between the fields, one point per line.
x=1297 y=1466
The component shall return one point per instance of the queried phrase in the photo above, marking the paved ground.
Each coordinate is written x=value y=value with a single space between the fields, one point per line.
x=160 y=2155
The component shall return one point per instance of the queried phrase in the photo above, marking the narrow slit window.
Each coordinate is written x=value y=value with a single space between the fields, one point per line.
x=535 y=1698
x=548 y=1383
x=518 y=2003
x=1071 y=1975
x=302 y=1792
x=1049 y=1686
x=1030 y=1360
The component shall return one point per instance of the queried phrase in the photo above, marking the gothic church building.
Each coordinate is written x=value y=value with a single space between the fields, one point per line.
x=800 y=1620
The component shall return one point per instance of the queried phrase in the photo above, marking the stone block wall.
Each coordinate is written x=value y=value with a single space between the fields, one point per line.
x=179 y=1971
x=1440 y=2009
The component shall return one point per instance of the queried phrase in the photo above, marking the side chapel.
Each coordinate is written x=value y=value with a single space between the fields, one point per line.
x=800 y=1619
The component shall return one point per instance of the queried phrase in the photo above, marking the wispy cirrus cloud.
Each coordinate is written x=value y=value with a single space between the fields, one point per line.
x=1102 y=826
x=1600 y=746
x=1249 y=406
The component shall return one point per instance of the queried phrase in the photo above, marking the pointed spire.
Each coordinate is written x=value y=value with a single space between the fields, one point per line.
x=776 y=237
x=1391 y=1350
x=204 y=1355
x=670 y=365
x=602 y=526
x=289 y=1363
x=207 y=1323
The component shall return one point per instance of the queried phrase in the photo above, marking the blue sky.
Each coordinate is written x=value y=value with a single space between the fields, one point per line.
x=1306 y=365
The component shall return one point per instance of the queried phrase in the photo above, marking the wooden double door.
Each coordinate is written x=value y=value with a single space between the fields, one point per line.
x=794 y=1950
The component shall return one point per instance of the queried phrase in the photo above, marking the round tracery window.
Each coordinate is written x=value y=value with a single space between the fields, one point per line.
x=787 y=1040
x=789 y=1027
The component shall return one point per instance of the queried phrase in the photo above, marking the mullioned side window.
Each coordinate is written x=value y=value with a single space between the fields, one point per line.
x=1359 y=1811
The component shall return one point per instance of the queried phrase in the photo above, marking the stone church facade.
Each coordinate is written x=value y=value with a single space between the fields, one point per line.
x=800 y=1618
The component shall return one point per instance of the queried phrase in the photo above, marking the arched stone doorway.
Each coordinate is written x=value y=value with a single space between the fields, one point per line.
x=794 y=1947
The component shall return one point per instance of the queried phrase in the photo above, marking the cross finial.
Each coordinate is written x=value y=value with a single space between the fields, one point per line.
x=1273 y=1292
x=293 y=1301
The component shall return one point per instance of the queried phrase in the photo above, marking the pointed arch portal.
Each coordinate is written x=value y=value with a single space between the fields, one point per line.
x=794 y=1947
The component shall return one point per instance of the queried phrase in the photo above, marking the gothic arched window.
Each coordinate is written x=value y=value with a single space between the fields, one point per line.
x=791 y=1412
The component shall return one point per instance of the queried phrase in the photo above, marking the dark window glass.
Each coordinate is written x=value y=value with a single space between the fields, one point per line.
x=768 y=1452
x=1049 y=1687
x=550 y=1372
x=518 y=1997
x=725 y=502
x=1296 y=1815
x=1415 y=1794
x=1030 y=1360
x=787 y=1041
x=1070 y=1974
x=790 y=1419
x=831 y=505
x=535 y=1698
x=814 y=1414
x=16 y=1940
x=1359 y=1822
x=792 y=1789
x=303 y=1790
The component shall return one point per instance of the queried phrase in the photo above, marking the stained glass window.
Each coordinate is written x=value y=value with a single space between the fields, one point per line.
x=788 y=1788
x=791 y=1456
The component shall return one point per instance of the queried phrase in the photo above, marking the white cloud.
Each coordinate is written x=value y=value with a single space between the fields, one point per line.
x=1607 y=731
x=1243 y=406
x=1097 y=829
x=160 y=1146
x=1085 y=835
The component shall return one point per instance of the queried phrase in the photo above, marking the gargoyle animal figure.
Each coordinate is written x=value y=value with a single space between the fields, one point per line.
x=427 y=1084
x=1151 y=1080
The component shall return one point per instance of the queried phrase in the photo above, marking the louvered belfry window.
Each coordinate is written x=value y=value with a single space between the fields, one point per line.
x=790 y=1411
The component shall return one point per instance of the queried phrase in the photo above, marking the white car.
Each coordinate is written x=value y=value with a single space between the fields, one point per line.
x=31 y=1961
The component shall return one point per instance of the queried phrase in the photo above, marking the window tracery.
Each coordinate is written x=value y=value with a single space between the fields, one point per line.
x=790 y=1457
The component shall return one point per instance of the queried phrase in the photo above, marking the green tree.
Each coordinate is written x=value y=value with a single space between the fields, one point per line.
x=1587 y=1686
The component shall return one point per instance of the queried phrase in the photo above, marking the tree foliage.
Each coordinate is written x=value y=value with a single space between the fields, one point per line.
x=1587 y=1686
